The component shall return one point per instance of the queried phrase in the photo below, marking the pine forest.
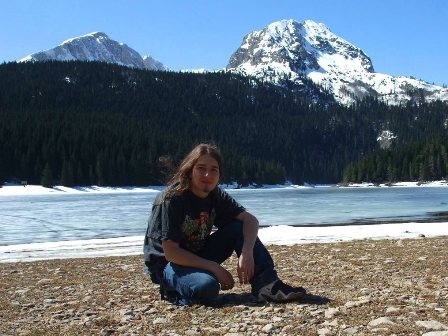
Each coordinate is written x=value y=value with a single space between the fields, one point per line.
x=91 y=123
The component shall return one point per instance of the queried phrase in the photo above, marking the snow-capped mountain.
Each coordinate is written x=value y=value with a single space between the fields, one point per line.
x=290 y=50
x=96 y=47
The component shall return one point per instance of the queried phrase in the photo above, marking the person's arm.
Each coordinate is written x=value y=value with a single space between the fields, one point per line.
x=246 y=260
x=178 y=255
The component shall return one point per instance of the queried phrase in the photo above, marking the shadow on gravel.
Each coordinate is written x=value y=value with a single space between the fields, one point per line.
x=314 y=299
x=232 y=299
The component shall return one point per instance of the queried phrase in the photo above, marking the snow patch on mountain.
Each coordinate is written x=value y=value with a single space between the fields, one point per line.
x=96 y=46
x=386 y=138
x=292 y=50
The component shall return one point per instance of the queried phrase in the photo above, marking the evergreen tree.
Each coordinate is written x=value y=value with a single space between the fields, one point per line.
x=47 y=177
x=67 y=177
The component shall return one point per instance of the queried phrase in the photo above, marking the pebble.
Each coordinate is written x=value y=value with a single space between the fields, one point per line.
x=261 y=321
x=361 y=301
x=22 y=291
x=390 y=310
x=380 y=321
x=107 y=331
x=433 y=325
x=50 y=301
x=268 y=328
x=160 y=320
x=126 y=312
x=90 y=313
x=44 y=281
x=351 y=330
x=331 y=312
x=324 y=332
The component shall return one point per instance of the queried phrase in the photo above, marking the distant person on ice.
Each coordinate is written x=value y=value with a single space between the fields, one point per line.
x=184 y=257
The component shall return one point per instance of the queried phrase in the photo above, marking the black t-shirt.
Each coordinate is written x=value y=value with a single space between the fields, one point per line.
x=185 y=219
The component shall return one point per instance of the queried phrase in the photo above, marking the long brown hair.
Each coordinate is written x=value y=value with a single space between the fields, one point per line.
x=180 y=182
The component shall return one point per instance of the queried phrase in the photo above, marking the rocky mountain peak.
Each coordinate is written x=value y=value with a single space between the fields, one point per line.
x=292 y=50
x=96 y=46
x=280 y=45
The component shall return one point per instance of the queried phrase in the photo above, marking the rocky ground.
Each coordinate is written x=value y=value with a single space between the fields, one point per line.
x=387 y=287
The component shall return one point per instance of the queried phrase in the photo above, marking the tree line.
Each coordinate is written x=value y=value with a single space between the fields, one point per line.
x=91 y=123
x=423 y=161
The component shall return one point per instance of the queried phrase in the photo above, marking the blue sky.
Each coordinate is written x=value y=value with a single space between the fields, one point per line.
x=402 y=37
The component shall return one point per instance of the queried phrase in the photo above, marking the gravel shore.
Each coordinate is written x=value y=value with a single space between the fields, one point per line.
x=368 y=287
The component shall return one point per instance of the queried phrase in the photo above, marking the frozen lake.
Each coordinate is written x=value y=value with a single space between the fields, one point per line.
x=29 y=219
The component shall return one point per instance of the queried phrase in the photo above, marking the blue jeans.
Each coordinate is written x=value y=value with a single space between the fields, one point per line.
x=188 y=285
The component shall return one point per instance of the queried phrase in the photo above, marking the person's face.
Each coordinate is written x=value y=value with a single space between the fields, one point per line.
x=205 y=176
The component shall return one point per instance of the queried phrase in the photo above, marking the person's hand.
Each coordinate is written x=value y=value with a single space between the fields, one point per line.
x=224 y=277
x=246 y=266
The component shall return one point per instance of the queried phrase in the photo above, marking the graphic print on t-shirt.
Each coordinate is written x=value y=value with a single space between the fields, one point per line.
x=195 y=231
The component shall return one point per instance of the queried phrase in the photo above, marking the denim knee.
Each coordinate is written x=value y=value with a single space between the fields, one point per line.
x=205 y=289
